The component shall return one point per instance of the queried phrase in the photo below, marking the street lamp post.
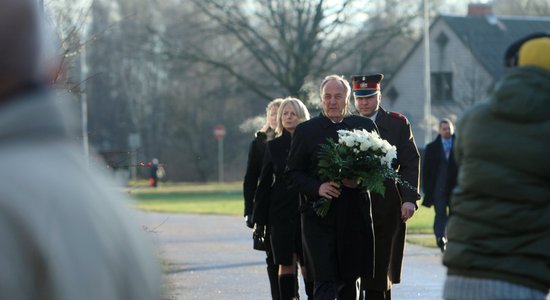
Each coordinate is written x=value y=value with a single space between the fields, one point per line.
x=84 y=102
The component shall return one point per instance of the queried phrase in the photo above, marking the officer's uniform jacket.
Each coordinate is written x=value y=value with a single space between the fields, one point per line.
x=389 y=227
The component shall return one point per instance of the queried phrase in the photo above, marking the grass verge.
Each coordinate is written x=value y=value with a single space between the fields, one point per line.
x=227 y=199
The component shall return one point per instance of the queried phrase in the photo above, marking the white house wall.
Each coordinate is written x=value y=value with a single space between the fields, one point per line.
x=470 y=82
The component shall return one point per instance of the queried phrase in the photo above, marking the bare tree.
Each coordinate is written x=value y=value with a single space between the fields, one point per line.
x=522 y=7
x=170 y=72
x=290 y=41
x=70 y=21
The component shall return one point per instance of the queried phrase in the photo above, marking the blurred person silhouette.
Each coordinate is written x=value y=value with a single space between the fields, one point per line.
x=391 y=210
x=439 y=172
x=256 y=153
x=153 y=172
x=499 y=232
x=63 y=236
x=276 y=206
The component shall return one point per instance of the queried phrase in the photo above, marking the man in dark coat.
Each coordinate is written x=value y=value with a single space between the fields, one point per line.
x=391 y=210
x=439 y=172
x=334 y=245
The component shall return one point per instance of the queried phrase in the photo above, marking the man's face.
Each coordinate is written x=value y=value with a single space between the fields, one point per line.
x=446 y=130
x=334 y=100
x=367 y=105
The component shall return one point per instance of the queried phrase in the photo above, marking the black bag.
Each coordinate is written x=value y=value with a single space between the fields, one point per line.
x=259 y=242
x=258 y=236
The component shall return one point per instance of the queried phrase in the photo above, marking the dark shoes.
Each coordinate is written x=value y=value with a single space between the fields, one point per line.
x=442 y=243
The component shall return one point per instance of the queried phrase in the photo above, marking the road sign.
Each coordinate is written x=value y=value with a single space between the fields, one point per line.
x=219 y=132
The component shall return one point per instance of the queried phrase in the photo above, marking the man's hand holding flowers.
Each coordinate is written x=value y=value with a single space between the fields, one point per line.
x=329 y=190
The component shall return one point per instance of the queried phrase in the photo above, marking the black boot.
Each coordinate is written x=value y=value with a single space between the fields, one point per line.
x=273 y=273
x=287 y=286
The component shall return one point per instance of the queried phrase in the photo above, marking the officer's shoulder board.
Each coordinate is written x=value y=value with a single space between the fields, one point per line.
x=399 y=116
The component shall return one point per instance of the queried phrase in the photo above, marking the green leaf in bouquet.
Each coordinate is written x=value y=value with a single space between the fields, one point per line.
x=323 y=163
x=342 y=151
x=378 y=187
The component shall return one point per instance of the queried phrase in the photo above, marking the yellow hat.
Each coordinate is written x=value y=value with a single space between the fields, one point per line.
x=535 y=52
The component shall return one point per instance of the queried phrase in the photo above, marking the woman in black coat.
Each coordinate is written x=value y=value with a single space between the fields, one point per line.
x=250 y=183
x=276 y=206
x=255 y=158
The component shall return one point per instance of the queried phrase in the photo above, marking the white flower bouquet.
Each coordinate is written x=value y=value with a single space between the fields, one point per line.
x=360 y=155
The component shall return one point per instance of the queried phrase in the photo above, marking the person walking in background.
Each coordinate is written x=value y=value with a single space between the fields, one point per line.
x=276 y=206
x=250 y=183
x=65 y=236
x=391 y=210
x=338 y=247
x=153 y=175
x=439 y=172
x=499 y=232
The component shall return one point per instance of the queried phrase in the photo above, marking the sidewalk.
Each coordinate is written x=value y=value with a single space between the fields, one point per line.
x=211 y=257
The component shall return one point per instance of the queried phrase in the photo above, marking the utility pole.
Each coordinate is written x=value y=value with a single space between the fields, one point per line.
x=84 y=102
x=84 y=35
x=427 y=74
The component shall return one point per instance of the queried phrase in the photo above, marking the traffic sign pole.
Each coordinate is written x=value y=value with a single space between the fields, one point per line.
x=219 y=134
x=220 y=160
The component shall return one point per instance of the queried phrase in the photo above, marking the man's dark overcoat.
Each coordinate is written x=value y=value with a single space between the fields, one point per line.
x=432 y=158
x=389 y=228
x=276 y=205
x=339 y=246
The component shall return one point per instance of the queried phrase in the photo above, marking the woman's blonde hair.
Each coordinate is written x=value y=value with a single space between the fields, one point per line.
x=301 y=112
x=273 y=103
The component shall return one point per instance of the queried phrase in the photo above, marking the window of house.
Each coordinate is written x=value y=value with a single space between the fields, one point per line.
x=442 y=86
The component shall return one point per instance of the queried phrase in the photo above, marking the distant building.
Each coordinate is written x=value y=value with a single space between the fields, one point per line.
x=466 y=59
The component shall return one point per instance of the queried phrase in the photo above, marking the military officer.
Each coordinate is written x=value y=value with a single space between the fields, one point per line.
x=391 y=210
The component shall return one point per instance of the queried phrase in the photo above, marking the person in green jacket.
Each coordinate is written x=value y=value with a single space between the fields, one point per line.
x=499 y=232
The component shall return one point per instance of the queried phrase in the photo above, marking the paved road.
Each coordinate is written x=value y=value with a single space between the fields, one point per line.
x=211 y=257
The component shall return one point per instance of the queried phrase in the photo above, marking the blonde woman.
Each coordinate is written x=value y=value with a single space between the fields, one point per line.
x=256 y=155
x=276 y=206
x=250 y=183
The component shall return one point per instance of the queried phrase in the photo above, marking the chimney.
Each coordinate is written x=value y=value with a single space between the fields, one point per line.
x=479 y=9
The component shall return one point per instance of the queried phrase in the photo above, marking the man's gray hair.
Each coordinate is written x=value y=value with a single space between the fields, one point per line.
x=339 y=78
